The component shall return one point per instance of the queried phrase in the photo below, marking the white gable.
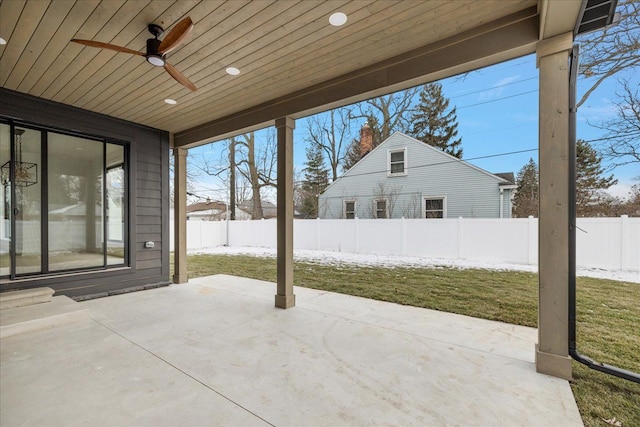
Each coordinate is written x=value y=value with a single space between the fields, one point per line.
x=470 y=190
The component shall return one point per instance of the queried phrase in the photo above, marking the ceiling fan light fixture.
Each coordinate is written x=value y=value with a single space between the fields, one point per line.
x=156 y=60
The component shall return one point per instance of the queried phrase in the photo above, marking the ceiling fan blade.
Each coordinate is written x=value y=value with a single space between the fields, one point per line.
x=179 y=77
x=107 y=46
x=175 y=36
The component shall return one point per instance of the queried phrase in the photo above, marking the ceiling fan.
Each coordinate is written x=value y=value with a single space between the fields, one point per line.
x=156 y=49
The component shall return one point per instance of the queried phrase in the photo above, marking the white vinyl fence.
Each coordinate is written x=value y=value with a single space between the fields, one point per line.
x=607 y=243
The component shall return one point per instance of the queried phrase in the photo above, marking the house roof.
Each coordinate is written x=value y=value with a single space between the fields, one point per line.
x=353 y=171
x=269 y=210
x=205 y=206
x=507 y=176
x=292 y=62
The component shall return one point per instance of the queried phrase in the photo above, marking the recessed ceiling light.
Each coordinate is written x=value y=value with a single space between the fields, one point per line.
x=2 y=41
x=338 y=19
x=171 y=101
x=233 y=71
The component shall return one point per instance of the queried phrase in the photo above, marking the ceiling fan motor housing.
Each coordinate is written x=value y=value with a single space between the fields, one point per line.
x=153 y=56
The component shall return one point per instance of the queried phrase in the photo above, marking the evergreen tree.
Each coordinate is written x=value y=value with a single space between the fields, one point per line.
x=525 y=201
x=352 y=155
x=590 y=181
x=316 y=179
x=432 y=123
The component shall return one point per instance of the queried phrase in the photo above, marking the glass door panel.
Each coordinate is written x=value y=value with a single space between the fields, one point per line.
x=28 y=200
x=115 y=202
x=76 y=223
x=5 y=200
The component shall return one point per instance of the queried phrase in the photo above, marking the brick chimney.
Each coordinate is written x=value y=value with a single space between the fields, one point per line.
x=366 y=139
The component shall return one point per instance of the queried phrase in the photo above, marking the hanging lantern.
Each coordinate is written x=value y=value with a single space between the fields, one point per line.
x=26 y=173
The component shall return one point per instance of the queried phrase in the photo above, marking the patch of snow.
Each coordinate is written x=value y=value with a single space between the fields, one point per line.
x=344 y=259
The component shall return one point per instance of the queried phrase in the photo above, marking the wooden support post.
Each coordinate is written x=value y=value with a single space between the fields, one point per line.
x=552 y=350
x=180 y=215
x=285 y=297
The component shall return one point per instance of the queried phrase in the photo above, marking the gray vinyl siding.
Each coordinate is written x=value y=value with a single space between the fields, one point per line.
x=148 y=198
x=470 y=192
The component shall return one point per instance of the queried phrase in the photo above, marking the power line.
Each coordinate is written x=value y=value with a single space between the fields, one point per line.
x=489 y=156
x=496 y=99
x=493 y=88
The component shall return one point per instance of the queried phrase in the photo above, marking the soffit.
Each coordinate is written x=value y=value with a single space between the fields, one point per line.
x=281 y=47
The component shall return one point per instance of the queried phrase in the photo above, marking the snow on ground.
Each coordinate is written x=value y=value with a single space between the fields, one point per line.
x=343 y=259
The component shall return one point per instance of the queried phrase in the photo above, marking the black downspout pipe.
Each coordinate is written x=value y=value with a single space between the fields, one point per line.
x=573 y=351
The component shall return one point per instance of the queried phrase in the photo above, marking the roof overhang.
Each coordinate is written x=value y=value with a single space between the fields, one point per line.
x=293 y=62
x=497 y=41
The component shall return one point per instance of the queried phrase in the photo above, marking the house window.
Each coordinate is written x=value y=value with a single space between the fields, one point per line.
x=397 y=162
x=381 y=208
x=350 y=209
x=435 y=207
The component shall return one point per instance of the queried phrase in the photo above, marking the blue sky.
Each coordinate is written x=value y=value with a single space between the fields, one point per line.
x=497 y=110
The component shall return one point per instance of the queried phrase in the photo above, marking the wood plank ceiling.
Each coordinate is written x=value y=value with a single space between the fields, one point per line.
x=279 y=46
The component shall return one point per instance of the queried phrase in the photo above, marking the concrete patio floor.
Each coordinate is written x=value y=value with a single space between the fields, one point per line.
x=217 y=352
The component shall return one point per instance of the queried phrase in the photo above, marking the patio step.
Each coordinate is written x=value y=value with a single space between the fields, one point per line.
x=25 y=297
x=61 y=310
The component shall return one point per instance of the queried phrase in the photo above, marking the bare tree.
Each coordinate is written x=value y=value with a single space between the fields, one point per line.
x=192 y=174
x=258 y=166
x=223 y=168
x=383 y=115
x=330 y=132
x=621 y=142
x=232 y=179
x=412 y=206
x=609 y=51
x=391 y=112
x=386 y=193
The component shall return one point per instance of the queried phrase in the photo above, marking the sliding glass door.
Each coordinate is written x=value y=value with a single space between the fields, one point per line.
x=5 y=201
x=22 y=200
x=75 y=211
x=63 y=202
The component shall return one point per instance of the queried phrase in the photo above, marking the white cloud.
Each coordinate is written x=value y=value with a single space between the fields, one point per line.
x=604 y=111
x=497 y=89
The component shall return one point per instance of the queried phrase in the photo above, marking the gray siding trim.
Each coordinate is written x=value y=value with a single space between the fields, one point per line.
x=148 y=188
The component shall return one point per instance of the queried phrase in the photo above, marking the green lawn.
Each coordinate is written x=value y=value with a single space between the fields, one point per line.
x=608 y=313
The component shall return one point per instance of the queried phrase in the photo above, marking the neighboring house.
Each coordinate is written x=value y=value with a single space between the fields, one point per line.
x=211 y=210
x=217 y=211
x=404 y=177
x=245 y=210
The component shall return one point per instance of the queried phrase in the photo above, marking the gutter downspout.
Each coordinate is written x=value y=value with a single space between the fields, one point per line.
x=573 y=351
x=501 y=203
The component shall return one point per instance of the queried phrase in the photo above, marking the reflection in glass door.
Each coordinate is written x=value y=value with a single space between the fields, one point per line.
x=5 y=200
x=28 y=201
x=26 y=194
x=74 y=169
x=115 y=203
